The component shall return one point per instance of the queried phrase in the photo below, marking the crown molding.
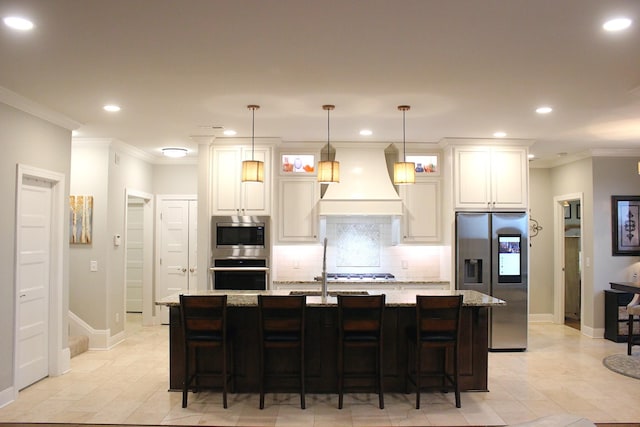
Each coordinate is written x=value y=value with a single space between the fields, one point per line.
x=22 y=103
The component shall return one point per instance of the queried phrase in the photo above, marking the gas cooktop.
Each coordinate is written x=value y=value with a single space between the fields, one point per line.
x=360 y=276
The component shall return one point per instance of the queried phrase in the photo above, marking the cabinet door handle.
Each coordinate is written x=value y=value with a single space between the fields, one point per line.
x=184 y=270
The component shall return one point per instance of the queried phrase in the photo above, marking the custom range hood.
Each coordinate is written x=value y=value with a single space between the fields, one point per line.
x=365 y=187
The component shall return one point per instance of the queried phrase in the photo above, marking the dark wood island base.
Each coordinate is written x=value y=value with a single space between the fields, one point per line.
x=321 y=346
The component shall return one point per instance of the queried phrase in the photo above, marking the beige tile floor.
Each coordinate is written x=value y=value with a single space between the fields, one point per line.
x=561 y=373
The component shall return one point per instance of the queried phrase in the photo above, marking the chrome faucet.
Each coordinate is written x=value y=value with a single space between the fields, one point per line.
x=323 y=277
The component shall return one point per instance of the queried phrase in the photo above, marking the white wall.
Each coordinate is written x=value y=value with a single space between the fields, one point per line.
x=175 y=179
x=541 y=250
x=87 y=290
x=103 y=168
x=611 y=176
x=126 y=171
x=28 y=140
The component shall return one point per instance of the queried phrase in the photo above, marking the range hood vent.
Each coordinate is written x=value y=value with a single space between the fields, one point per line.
x=365 y=187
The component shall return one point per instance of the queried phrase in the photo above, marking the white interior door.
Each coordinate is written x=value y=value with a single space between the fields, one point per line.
x=177 y=249
x=135 y=255
x=193 y=243
x=33 y=276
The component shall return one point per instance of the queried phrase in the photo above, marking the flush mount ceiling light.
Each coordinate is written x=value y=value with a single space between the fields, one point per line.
x=174 y=152
x=111 y=108
x=18 y=23
x=252 y=170
x=617 y=24
x=404 y=172
x=328 y=171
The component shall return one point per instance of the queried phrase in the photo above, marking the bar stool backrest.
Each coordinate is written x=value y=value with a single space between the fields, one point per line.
x=203 y=318
x=360 y=317
x=438 y=317
x=282 y=317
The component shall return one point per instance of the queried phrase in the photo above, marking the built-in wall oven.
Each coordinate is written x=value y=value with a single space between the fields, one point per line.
x=240 y=252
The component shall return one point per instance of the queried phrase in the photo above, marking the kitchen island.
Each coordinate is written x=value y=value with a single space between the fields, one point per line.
x=322 y=336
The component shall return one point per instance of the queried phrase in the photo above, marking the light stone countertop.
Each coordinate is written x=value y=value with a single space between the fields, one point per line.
x=394 y=298
x=379 y=282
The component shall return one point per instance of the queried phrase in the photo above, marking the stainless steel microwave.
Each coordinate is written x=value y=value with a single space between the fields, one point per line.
x=248 y=232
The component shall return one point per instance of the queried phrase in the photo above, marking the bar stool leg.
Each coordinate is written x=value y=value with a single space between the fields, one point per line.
x=340 y=375
x=302 y=379
x=185 y=385
x=261 y=373
x=418 y=373
x=630 y=335
x=380 y=377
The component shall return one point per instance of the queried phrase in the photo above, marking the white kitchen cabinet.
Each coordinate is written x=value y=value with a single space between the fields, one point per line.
x=422 y=207
x=488 y=178
x=230 y=195
x=297 y=219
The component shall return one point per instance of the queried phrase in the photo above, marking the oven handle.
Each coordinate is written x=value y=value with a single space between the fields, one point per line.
x=238 y=268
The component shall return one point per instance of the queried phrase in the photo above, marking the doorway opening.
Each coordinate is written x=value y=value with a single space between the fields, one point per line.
x=568 y=266
x=138 y=241
x=572 y=265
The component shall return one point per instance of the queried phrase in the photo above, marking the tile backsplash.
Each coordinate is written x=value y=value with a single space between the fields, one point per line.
x=361 y=244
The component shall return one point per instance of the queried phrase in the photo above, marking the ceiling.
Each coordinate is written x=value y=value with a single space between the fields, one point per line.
x=468 y=68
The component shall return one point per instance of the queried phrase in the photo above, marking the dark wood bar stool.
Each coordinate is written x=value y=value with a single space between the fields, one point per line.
x=633 y=309
x=437 y=328
x=204 y=326
x=281 y=327
x=360 y=326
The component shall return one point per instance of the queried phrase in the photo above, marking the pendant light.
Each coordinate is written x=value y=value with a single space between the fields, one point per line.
x=404 y=172
x=328 y=171
x=252 y=170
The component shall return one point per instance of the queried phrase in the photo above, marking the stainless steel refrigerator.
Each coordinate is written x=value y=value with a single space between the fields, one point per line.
x=492 y=258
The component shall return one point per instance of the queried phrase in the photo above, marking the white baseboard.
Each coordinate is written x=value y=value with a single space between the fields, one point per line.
x=7 y=396
x=541 y=318
x=98 y=338
x=592 y=332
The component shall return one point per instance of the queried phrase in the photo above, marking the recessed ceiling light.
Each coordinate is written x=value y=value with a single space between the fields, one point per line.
x=111 y=108
x=366 y=132
x=230 y=132
x=499 y=134
x=75 y=133
x=174 y=152
x=617 y=24
x=544 y=110
x=18 y=23
x=531 y=156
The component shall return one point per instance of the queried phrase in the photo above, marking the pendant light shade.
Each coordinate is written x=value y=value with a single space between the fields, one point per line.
x=252 y=170
x=404 y=172
x=328 y=171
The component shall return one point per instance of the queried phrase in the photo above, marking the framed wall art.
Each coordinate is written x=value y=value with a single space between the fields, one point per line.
x=80 y=219
x=625 y=231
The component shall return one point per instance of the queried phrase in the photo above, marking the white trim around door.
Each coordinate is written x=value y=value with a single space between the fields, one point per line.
x=58 y=349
